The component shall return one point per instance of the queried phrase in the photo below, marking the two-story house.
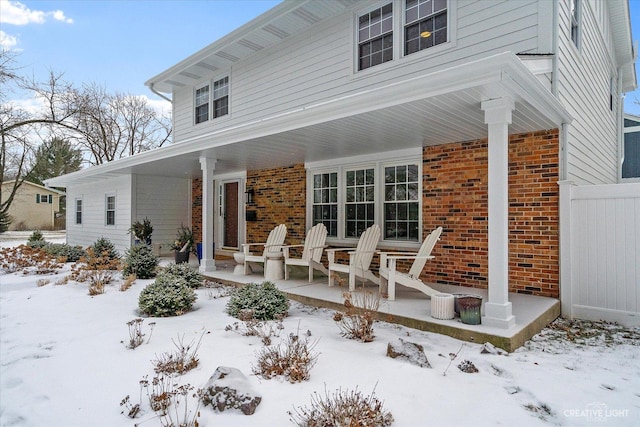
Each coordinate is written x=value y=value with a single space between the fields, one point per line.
x=410 y=114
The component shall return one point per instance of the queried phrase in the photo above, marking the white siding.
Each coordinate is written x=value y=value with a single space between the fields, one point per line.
x=583 y=87
x=93 y=212
x=166 y=202
x=302 y=71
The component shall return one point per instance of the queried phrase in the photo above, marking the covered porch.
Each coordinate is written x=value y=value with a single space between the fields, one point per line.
x=411 y=308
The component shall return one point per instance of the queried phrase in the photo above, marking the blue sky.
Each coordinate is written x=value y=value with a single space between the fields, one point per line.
x=120 y=44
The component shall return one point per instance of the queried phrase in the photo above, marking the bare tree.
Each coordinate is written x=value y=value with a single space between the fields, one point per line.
x=116 y=126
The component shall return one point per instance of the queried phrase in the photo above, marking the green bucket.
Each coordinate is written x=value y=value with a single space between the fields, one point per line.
x=470 y=307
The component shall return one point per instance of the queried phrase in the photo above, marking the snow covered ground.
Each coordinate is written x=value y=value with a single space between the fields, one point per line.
x=63 y=362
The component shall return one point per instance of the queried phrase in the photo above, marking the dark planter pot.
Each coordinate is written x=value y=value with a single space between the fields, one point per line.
x=182 y=257
x=470 y=307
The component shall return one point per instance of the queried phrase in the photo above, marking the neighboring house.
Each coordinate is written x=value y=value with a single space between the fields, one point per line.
x=406 y=113
x=34 y=207
x=631 y=162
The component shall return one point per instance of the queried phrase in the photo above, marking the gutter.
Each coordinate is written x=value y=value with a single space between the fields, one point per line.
x=159 y=94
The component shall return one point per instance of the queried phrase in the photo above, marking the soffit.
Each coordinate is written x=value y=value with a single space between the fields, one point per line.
x=288 y=19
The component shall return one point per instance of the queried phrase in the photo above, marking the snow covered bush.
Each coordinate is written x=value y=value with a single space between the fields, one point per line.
x=264 y=300
x=62 y=250
x=36 y=236
x=167 y=296
x=292 y=360
x=184 y=270
x=140 y=260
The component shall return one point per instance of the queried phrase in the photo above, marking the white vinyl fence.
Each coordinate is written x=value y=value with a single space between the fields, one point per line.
x=600 y=252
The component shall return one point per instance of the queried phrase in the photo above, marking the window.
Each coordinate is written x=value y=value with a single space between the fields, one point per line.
x=575 y=22
x=202 y=104
x=375 y=37
x=111 y=210
x=325 y=201
x=359 y=202
x=78 y=211
x=401 y=203
x=425 y=24
x=44 y=198
x=221 y=97
x=350 y=198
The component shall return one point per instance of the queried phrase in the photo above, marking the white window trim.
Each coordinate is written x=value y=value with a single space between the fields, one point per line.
x=210 y=83
x=75 y=211
x=399 y=58
x=195 y=91
x=115 y=209
x=410 y=156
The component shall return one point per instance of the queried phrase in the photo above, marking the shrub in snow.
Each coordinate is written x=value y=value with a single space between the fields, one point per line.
x=360 y=311
x=167 y=296
x=140 y=260
x=70 y=253
x=264 y=300
x=292 y=360
x=104 y=247
x=344 y=408
x=36 y=236
x=184 y=270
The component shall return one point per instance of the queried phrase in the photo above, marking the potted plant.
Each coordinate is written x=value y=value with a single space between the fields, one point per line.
x=142 y=231
x=183 y=244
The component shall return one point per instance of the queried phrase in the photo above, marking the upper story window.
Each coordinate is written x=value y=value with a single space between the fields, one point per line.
x=575 y=22
x=110 y=210
x=216 y=97
x=202 y=104
x=221 y=97
x=375 y=37
x=425 y=24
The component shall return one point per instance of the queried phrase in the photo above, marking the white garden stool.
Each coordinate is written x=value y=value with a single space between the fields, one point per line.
x=273 y=266
x=442 y=306
x=239 y=259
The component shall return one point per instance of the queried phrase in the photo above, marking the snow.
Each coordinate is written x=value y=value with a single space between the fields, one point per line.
x=64 y=363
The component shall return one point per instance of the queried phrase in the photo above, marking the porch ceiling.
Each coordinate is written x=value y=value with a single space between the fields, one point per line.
x=425 y=110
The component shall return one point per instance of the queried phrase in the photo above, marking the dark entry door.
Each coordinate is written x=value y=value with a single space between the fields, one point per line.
x=230 y=215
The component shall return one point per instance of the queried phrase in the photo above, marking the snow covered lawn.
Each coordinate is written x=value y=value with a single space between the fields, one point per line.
x=64 y=363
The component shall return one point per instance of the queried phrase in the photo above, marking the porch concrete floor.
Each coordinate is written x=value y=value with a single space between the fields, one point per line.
x=411 y=307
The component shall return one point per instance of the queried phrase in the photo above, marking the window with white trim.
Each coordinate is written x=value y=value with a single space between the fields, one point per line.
x=359 y=201
x=78 y=211
x=202 y=104
x=325 y=201
x=110 y=210
x=425 y=24
x=221 y=97
x=401 y=203
x=575 y=22
x=375 y=37
x=348 y=199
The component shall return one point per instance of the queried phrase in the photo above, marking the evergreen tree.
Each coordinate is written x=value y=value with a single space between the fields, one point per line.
x=53 y=158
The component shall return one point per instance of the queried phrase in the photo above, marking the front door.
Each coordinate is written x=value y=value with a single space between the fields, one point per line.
x=230 y=214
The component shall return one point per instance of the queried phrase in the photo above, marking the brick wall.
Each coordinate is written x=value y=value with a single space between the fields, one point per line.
x=455 y=196
x=279 y=198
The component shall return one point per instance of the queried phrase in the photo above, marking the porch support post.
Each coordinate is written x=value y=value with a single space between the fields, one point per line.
x=497 y=115
x=207 y=263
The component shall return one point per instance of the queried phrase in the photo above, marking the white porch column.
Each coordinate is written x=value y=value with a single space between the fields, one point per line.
x=207 y=263
x=497 y=115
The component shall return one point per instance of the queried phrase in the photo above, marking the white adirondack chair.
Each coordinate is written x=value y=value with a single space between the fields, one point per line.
x=389 y=276
x=272 y=249
x=311 y=252
x=359 y=259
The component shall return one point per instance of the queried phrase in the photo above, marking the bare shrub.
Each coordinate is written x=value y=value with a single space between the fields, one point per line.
x=182 y=360
x=29 y=260
x=97 y=270
x=253 y=327
x=217 y=290
x=128 y=281
x=136 y=337
x=343 y=408
x=292 y=359
x=169 y=399
x=357 y=320
x=42 y=282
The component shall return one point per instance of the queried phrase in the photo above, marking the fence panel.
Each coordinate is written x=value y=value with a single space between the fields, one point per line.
x=600 y=252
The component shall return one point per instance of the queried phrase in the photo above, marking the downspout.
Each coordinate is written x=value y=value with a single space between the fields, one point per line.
x=159 y=94
x=564 y=127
